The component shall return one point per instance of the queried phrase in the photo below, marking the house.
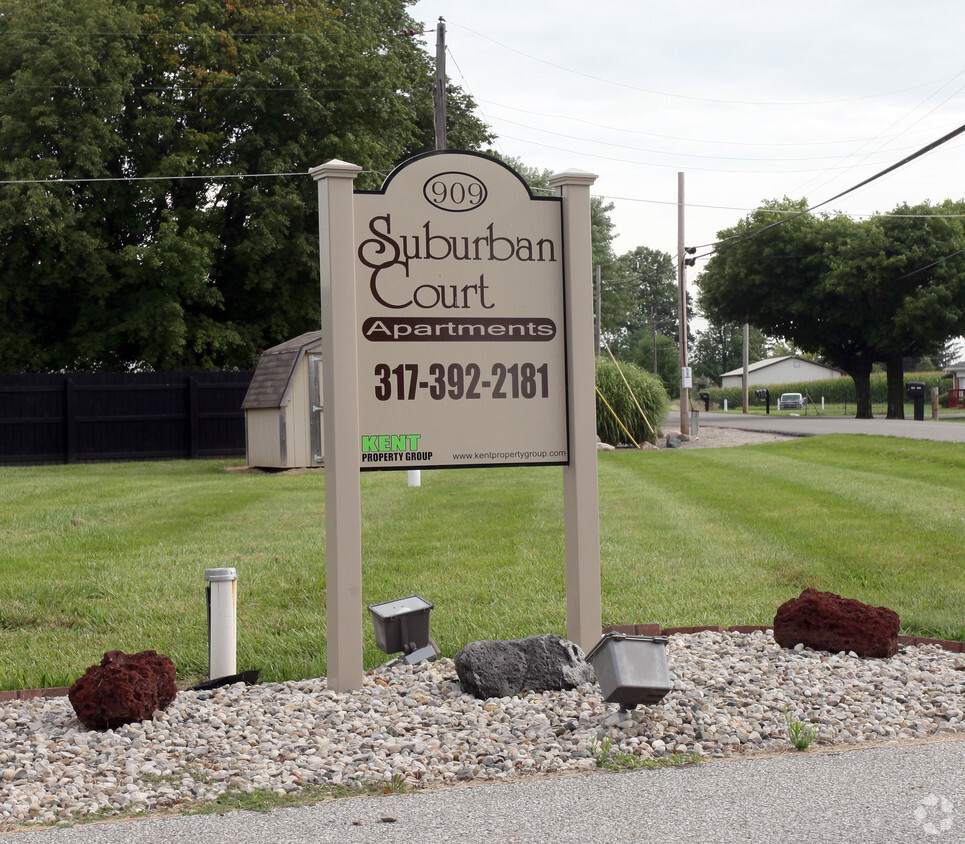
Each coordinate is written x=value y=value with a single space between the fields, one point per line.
x=956 y=394
x=789 y=369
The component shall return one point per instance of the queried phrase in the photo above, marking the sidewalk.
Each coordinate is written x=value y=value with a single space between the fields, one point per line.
x=881 y=795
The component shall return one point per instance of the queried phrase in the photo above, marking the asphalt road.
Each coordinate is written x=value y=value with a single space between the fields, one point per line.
x=911 y=793
x=811 y=425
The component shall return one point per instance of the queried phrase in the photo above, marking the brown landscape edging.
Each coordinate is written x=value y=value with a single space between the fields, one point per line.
x=30 y=694
x=628 y=629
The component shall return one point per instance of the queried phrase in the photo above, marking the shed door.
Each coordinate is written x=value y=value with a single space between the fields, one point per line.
x=316 y=422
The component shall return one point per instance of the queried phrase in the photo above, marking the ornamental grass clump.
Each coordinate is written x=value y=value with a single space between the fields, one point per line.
x=631 y=404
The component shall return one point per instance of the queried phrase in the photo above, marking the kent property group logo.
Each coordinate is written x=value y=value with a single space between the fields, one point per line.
x=393 y=448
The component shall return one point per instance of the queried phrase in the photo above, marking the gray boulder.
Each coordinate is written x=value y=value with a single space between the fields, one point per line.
x=495 y=668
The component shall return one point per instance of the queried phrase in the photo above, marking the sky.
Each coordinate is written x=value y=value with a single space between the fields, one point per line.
x=749 y=100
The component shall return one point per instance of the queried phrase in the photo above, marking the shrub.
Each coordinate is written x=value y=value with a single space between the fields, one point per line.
x=648 y=393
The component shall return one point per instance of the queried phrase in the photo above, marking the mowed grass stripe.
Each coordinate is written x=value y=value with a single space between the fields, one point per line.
x=98 y=557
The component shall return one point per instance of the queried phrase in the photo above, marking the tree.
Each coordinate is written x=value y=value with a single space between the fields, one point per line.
x=950 y=352
x=855 y=292
x=614 y=293
x=909 y=268
x=654 y=301
x=810 y=280
x=164 y=246
x=720 y=348
x=658 y=354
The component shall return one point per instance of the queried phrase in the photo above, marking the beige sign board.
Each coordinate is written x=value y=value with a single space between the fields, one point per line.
x=460 y=311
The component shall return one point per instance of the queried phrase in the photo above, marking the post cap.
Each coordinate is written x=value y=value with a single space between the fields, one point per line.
x=212 y=575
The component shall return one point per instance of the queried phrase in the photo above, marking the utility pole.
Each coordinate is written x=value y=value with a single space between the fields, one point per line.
x=599 y=304
x=653 y=337
x=682 y=310
x=439 y=102
x=746 y=358
x=414 y=476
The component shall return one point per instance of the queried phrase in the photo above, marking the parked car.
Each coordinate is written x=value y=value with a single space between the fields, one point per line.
x=791 y=401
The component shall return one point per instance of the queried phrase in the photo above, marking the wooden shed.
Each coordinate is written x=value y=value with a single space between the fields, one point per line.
x=283 y=406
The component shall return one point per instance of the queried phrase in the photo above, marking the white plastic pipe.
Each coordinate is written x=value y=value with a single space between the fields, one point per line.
x=222 y=622
x=415 y=477
x=725 y=405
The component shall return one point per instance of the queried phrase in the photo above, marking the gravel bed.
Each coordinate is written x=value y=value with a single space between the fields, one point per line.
x=730 y=698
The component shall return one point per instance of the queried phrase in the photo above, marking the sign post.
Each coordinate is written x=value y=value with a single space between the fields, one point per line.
x=343 y=498
x=584 y=614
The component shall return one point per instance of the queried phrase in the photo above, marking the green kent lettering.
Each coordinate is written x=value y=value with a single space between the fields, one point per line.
x=390 y=442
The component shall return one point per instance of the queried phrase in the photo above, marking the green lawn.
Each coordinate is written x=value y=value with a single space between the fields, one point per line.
x=112 y=556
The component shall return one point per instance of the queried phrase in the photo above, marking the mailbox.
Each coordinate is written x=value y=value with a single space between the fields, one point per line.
x=915 y=390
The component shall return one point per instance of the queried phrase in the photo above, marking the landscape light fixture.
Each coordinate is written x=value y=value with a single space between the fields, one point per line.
x=631 y=669
x=403 y=625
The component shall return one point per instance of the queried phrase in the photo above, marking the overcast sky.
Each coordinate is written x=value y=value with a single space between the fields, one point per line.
x=750 y=100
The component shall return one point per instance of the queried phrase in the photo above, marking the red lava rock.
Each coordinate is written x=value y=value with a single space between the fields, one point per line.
x=124 y=688
x=827 y=622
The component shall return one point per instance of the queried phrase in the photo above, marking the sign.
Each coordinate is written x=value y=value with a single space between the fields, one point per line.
x=460 y=310
x=368 y=271
x=686 y=377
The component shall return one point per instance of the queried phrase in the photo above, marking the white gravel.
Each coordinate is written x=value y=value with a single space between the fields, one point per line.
x=731 y=693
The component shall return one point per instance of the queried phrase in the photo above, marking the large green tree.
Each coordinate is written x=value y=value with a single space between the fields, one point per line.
x=909 y=268
x=855 y=292
x=719 y=348
x=652 y=279
x=144 y=220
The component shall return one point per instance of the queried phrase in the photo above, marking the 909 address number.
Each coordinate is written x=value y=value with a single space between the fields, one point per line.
x=405 y=381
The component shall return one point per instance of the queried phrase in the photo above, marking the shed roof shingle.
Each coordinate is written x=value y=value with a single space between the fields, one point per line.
x=270 y=384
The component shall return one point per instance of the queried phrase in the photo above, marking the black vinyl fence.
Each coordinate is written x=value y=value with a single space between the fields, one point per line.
x=82 y=417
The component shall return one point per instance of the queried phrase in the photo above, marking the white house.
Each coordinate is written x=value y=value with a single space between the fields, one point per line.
x=956 y=395
x=789 y=369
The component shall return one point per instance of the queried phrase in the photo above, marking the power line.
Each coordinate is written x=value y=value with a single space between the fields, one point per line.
x=159 y=33
x=209 y=178
x=909 y=128
x=745 y=210
x=932 y=264
x=670 y=166
x=714 y=141
x=906 y=160
x=677 y=154
x=212 y=89
x=680 y=96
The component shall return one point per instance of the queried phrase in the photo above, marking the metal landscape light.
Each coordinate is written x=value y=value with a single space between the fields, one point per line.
x=631 y=669
x=403 y=625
